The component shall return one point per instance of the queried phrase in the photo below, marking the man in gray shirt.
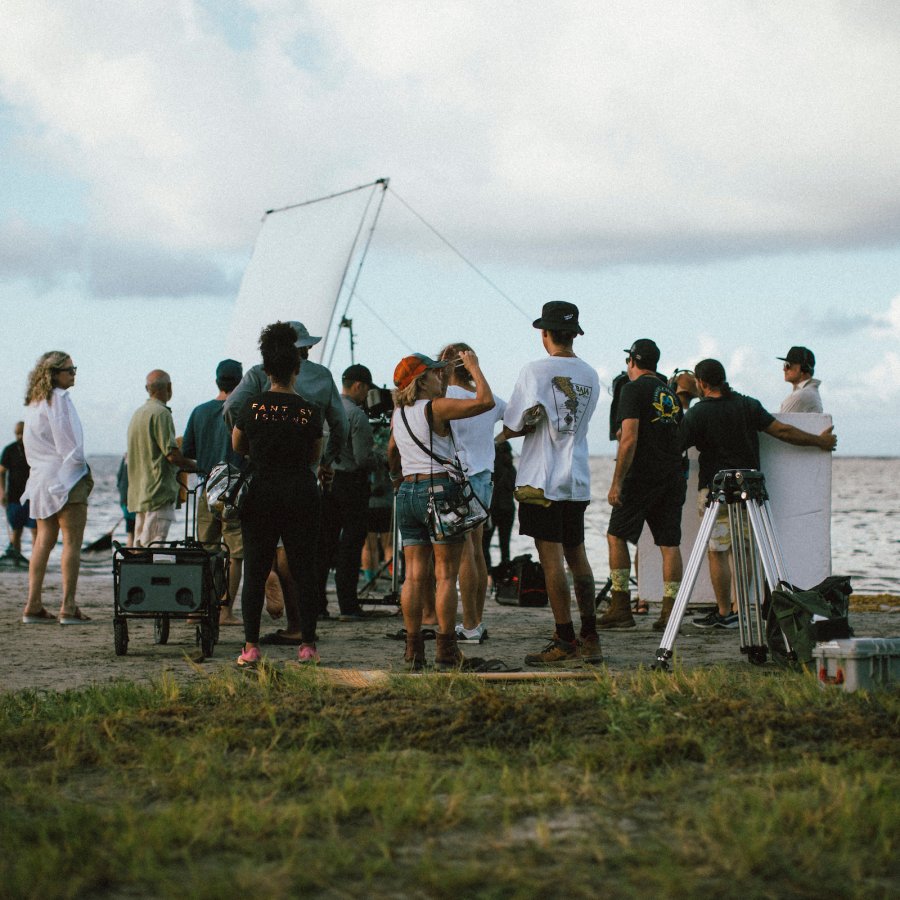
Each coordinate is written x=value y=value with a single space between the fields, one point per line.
x=345 y=502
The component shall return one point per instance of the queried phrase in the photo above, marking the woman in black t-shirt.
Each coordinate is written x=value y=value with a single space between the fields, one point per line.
x=282 y=434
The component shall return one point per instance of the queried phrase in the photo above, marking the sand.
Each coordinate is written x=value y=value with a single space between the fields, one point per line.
x=56 y=658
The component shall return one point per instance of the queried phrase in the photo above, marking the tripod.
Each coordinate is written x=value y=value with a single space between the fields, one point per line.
x=758 y=561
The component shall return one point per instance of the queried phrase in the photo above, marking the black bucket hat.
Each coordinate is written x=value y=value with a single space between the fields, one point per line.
x=557 y=315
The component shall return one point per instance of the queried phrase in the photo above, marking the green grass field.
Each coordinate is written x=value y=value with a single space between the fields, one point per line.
x=712 y=782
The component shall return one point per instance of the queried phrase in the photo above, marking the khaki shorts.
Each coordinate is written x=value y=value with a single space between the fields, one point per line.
x=153 y=525
x=211 y=531
x=82 y=489
x=720 y=536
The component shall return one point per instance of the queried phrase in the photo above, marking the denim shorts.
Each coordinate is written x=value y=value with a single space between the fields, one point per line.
x=19 y=517
x=412 y=512
x=483 y=486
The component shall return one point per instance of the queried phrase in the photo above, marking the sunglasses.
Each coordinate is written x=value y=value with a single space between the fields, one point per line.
x=788 y=365
x=70 y=369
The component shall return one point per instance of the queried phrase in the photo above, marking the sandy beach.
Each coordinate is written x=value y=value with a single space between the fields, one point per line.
x=52 y=657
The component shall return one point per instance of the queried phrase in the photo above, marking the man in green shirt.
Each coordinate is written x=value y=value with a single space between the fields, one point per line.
x=154 y=461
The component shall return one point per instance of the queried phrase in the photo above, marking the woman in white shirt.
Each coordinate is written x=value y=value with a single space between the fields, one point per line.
x=58 y=485
x=420 y=427
x=474 y=440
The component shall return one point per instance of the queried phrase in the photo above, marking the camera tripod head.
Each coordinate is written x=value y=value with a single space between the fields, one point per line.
x=736 y=485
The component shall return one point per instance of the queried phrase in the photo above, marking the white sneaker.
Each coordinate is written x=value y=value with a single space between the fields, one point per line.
x=476 y=635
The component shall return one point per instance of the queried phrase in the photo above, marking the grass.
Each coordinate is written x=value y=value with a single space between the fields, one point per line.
x=703 y=782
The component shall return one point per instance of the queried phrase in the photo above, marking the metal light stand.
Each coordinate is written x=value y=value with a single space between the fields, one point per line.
x=393 y=597
x=757 y=554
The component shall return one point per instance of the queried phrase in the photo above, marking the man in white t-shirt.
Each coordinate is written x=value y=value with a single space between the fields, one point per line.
x=552 y=404
x=799 y=367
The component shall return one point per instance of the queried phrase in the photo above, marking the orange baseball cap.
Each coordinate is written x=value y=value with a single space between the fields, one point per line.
x=411 y=367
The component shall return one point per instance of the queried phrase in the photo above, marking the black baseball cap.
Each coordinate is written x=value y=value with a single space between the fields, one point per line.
x=802 y=355
x=557 y=315
x=357 y=372
x=645 y=352
x=230 y=369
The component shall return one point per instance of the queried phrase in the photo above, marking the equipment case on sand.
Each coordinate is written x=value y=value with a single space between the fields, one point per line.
x=861 y=663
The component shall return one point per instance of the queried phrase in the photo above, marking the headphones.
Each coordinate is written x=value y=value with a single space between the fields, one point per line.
x=673 y=380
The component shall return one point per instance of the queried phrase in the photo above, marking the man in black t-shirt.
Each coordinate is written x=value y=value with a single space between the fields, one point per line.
x=724 y=426
x=14 y=471
x=648 y=484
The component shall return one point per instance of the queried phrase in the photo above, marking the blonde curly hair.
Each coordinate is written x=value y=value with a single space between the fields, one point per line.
x=40 y=379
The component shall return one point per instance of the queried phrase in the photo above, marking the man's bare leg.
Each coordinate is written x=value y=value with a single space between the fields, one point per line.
x=720 y=575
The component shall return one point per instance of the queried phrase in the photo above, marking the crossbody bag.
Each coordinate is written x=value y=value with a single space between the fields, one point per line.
x=454 y=512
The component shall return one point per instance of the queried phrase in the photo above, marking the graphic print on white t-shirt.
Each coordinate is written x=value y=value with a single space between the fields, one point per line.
x=571 y=402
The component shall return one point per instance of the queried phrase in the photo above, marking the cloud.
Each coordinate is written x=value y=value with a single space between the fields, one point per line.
x=135 y=270
x=107 y=267
x=889 y=325
x=561 y=134
x=837 y=323
x=42 y=254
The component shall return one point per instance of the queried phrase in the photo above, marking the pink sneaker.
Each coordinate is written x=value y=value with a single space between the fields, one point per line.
x=249 y=658
x=308 y=654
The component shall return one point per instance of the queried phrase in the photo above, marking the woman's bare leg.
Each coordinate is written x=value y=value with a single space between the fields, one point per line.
x=72 y=518
x=446 y=570
x=47 y=533
x=416 y=585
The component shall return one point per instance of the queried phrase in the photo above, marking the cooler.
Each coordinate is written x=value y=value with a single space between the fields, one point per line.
x=860 y=663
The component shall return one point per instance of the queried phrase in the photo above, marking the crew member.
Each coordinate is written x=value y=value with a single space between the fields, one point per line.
x=345 y=502
x=208 y=439
x=799 y=367
x=558 y=394
x=154 y=461
x=724 y=426
x=13 y=478
x=648 y=484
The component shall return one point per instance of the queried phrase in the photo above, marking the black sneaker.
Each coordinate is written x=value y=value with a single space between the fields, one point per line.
x=729 y=621
x=714 y=620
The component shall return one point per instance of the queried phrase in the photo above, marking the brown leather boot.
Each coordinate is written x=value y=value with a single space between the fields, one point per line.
x=447 y=654
x=663 y=620
x=414 y=657
x=619 y=613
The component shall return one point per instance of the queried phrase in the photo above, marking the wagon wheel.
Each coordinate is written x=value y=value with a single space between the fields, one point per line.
x=207 y=641
x=161 y=628
x=120 y=635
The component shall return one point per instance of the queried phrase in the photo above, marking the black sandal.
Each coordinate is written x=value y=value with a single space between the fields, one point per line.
x=428 y=634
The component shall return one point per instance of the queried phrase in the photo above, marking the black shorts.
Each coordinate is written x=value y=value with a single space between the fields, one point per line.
x=561 y=522
x=659 y=505
x=379 y=519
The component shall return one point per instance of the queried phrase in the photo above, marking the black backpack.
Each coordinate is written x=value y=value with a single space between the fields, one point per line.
x=790 y=614
x=520 y=582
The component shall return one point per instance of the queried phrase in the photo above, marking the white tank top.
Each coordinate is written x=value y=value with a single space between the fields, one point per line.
x=414 y=460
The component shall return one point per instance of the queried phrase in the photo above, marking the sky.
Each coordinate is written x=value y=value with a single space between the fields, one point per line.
x=722 y=177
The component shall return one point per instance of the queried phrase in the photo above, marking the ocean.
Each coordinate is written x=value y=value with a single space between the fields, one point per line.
x=865 y=521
